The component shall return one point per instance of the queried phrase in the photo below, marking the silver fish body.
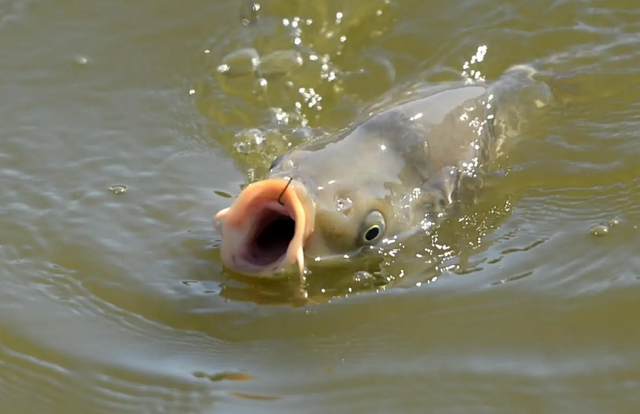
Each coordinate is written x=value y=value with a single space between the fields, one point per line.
x=386 y=176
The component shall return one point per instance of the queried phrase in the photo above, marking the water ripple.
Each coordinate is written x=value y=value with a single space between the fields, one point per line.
x=116 y=301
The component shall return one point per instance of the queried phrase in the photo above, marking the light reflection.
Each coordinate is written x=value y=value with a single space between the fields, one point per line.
x=390 y=240
x=311 y=97
x=472 y=75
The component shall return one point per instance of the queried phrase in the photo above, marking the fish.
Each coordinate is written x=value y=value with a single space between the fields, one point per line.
x=388 y=175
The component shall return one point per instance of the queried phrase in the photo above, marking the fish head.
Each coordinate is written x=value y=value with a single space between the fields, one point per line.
x=314 y=205
x=348 y=219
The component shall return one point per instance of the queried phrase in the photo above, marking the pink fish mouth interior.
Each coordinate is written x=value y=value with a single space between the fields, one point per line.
x=265 y=229
x=273 y=232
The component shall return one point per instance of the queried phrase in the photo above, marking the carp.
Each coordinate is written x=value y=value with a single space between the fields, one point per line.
x=385 y=177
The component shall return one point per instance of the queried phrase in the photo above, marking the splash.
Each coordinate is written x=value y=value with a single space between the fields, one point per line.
x=470 y=74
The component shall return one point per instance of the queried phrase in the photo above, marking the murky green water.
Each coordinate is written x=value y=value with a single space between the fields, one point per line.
x=115 y=301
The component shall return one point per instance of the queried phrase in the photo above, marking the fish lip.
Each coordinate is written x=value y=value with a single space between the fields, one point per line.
x=257 y=207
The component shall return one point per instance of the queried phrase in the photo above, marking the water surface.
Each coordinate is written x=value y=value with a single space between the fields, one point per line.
x=123 y=132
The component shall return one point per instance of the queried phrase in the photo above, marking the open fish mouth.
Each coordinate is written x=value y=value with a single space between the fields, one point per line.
x=264 y=230
x=273 y=231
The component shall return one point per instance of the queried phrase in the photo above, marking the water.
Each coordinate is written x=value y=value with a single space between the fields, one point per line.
x=123 y=134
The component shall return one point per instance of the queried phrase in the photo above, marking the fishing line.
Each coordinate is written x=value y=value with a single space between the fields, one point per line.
x=283 y=191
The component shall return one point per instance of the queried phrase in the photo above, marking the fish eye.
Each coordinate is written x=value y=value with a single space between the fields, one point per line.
x=374 y=226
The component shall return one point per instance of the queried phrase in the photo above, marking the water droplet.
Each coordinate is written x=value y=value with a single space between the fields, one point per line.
x=343 y=204
x=118 y=189
x=81 y=60
x=600 y=230
x=363 y=279
x=362 y=276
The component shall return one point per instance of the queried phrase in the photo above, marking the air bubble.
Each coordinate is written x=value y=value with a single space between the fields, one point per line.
x=280 y=62
x=240 y=62
x=600 y=230
x=118 y=189
x=81 y=60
